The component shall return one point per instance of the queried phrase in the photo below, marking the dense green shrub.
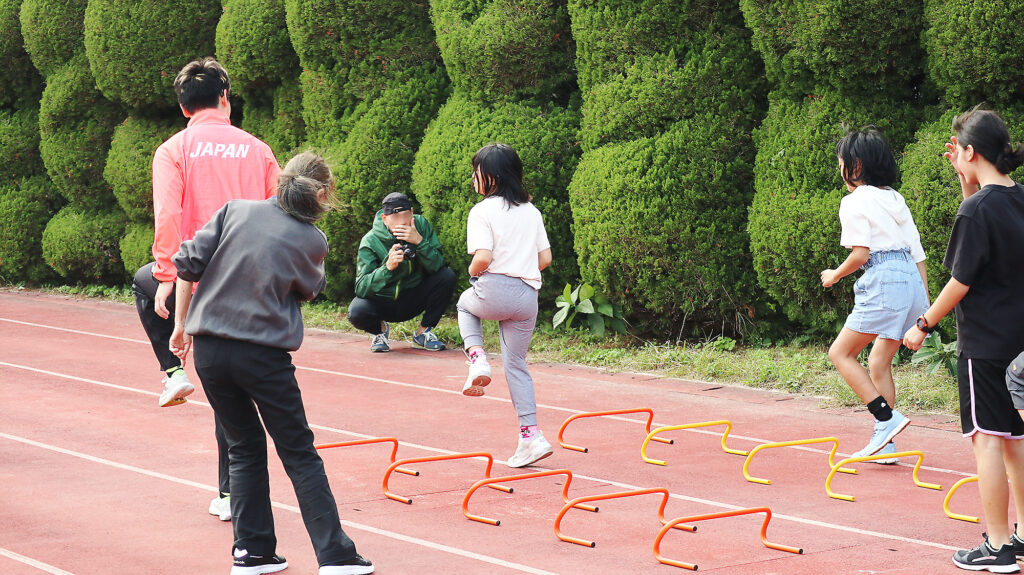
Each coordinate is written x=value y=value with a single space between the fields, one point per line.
x=83 y=245
x=975 y=50
x=865 y=47
x=75 y=126
x=24 y=211
x=495 y=50
x=279 y=124
x=253 y=45
x=19 y=81
x=19 y=145
x=545 y=139
x=129 y=166
x=794 y=218
x=136 y=49
x=659 y=224
x=53 y=31
x=136 y=247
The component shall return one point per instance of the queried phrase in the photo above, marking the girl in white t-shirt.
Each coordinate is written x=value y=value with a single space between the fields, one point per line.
x=880 y=232
x=505 y=233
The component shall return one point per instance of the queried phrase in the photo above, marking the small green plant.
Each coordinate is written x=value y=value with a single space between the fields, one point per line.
x=935 y=354
x=594 y=306
x=721 y=344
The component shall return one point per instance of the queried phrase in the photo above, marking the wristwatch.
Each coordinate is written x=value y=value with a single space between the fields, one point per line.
x=922 y=324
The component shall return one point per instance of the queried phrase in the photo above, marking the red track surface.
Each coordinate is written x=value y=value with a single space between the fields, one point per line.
x=98 y=480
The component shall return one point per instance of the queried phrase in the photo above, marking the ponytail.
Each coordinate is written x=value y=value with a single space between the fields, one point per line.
x=1010 y=158
x=300 y=185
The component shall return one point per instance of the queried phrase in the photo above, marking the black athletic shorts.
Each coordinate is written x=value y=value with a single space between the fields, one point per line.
x=985 y=402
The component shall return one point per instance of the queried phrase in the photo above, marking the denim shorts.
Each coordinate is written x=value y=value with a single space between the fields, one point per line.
x=889 y=297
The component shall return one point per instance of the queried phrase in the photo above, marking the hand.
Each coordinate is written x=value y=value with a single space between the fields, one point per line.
x=953 y=154
x=828 y=278
x=181 y=343
x=395 y=257
x=408 y=234
x=914 y=338
x=163 y=291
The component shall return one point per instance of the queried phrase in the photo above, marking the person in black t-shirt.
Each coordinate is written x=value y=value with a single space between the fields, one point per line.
x=985 y=252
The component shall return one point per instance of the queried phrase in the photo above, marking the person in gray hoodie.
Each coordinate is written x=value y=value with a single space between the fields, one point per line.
x=258 y=260
x=879 y=231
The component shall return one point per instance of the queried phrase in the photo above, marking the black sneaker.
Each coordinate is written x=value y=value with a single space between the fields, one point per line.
x=985 y=558
x=1018 y=545
x=246 y=564
x=354 y=566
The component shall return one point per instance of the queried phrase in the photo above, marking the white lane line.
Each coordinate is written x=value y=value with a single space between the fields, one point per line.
x=708 y=502
x=33 y=563
x=487 y=397
x=347 y=524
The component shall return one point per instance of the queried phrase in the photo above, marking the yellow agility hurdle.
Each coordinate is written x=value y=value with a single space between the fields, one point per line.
x=949 y=496
x=650 y=437
x=917 y=468
x=831 y=455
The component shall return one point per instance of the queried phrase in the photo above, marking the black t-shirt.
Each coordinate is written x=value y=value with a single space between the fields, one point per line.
x=986 y=253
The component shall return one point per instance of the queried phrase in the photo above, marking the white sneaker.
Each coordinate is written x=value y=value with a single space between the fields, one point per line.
x=883 y=434
x=221 y=507
x=530 y=451
x=889 y=448
x=478 y=378
x=176 y=388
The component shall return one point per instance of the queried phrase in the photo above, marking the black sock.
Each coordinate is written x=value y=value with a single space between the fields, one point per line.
x=880 y=409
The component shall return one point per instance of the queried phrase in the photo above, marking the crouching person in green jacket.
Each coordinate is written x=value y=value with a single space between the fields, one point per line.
x=401 y=274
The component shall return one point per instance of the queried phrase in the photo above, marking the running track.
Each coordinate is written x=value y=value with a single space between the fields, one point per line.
x=98 y=480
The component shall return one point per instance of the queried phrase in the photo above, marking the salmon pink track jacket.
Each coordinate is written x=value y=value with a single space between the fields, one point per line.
x=196 y=172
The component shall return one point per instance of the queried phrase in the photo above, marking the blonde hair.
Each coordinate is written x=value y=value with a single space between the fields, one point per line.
x=300 y=184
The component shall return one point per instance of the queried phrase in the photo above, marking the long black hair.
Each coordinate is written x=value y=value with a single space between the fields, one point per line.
x=300 y=184
x=867 y=158
x=501 y=173
x=987 y=133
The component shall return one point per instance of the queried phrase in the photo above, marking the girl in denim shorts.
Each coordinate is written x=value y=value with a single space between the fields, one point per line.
x=883 y=240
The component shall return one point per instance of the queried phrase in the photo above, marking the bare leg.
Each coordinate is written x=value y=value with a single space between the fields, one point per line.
x=843 y=354
x=880 y=367
x=995 y=495
x=1013 y=457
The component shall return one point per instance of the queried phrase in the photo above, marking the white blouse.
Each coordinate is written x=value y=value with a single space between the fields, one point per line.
x=879 y=219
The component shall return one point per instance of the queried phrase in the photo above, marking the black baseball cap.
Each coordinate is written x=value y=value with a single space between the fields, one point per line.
x=396 y=202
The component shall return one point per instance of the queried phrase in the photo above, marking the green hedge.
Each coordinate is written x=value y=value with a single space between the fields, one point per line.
x=794 y=219
x=867 y=48
x=280 y=123
x=497 y=50
x=545 y=139
x=82 y=246
x=975 y=50
x=129 y=165
x=53 y=31
x=19 y=145
x=659 y=225
x=24 y=211
x=136 y=48
x=254 y=47
x=19 y=81
x=136 y=247
x=75 y=126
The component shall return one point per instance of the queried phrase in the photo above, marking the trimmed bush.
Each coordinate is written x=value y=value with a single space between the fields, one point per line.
x=129 y=166
x=24 y=211
x=53 y=31
x=19 y=145
x=975 y=51
x=497 y=50
x=136 y=49
x=794 y=218
x=75 y=126
x=545 y=139
x=279 y=124
x=254 y=47
x=82 y=246
x=136 y=247
x=868 y=48
x=19 y=81
x=659 y=222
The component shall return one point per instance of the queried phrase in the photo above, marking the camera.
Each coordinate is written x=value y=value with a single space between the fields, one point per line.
x=408 y=251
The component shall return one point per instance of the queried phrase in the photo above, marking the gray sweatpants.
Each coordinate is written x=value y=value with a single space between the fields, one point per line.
x=513 y=304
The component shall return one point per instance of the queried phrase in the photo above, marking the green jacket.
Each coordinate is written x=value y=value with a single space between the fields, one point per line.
x=374 y=279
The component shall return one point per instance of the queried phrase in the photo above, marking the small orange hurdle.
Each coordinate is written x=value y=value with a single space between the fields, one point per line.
x=648 y=411
x=576 y=503
x=391 y=440
x=679 y=524
x=506 y=479
x=394 y=467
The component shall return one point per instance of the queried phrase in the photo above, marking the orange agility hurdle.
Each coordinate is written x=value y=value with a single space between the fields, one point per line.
x=648 y=411
x=695 y=518
x=917 y=467
x=576 y=502
x=651 y=436
x=482 y=482
x=949 y=496
x=831 y=455
x=394 y=466
x=391 y=440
